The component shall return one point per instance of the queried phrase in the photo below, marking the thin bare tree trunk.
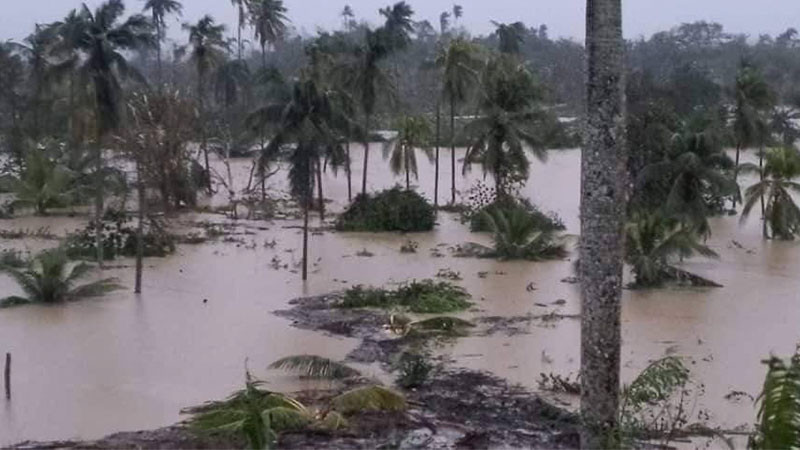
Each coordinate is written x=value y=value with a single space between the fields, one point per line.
x=763 y=206
x=98 y=201
x=140 y=229
x=306 y=202
x=736 y=169
x=321 y=203
x=408 y=174
x=603 y=199
x=453 y=151
x=438 y=140
x=349 y=173
x=366 y=157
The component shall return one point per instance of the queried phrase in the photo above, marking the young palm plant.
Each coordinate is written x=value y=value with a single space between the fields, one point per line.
x=50 y=278
x=413 y=133
x=518 y=236
x=654 y=242
x=43 y=184
x=781 y=212
x=779 y=406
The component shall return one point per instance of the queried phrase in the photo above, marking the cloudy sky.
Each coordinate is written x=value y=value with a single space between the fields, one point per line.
x=563 y=17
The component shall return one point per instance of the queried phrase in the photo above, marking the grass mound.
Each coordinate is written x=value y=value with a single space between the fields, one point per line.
x=479 y=220
x=390 y=210
x=422 y=297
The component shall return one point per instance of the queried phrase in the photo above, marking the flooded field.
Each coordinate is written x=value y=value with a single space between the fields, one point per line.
x=127 y=362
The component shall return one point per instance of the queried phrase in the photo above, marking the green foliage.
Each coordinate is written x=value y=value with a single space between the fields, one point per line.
x=482 y=199
x=776 y=187
x=654 y=242
x=779 y=406
x=423 y=297
x=12 y=258
x=389 y=210
x=368 y=398
x=119 y=239
x=252 y=413
x=43 y=184
x=517 y=235
x=50 y=278
x=316 y=367
x=413 y=133
x=414 y=370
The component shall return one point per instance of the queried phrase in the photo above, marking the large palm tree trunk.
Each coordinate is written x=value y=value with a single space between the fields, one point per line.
x=603 y=200
x=159 y=66
x=408 y=170
x=763 y=207
x=98 y=201
x=453 y=151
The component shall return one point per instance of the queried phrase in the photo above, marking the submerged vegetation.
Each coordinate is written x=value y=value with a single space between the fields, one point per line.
x=423 y=297
x=390 y=210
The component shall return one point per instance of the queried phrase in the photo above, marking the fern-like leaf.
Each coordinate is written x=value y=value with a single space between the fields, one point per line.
x=369 y=398
x=315 y=366
x=656 y=383
x=779 y=409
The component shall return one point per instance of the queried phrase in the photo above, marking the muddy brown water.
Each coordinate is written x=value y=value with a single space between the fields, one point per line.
x=127 y=362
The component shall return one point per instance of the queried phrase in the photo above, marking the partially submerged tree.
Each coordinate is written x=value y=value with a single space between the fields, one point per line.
x=781 y=212
x=517 y=235
x=413 y=133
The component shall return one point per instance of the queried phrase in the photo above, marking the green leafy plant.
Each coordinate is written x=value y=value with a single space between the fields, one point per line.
x=389 y=210
x=50 y=278
x=368 y=398
x=119 y=239
x=43 y=184
x=779 y=406
x=517 y=236
x=414 y=370
x=424 y=297
x=315 y=367
x=780 y=211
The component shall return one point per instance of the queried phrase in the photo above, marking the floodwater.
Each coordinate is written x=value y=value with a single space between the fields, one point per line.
x=127 y=362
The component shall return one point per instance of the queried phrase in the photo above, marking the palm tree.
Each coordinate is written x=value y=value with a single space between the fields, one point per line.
x=269 y=20
x=43 y=184
x=654 y=241
x=159 y=9
x=102 y=39
x=208 y=52
x=37 y=48
x=48 y=278
x=753 y=100
x=779 y=405
x=241 y=7
x=603 y=195
x=504 y=130
x=517 y=235
x=348 y=18
x=460 y=64
x=781 y=212
x=398 y=26
x=510 y=37
x=413 y=133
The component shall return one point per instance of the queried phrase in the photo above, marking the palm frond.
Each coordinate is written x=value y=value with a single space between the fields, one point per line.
x=779 y=406
x=315 y=366
x=655 y=383
x=369 y=398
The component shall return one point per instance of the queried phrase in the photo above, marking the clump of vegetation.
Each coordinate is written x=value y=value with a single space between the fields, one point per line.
x=43 y=184
x=390 y=210
x=482 y=199
x=315 y=367
x=50 y=278
x=781 y=213
x=414 y=370
x=655 y=242
x=517 y=235
x=119 y=239
x=409 y=247
x=12 y=258
x=779 y=405
x=422 y=297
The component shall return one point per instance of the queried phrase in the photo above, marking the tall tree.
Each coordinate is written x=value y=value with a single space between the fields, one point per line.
x=348 y=17
x=413 y=133
x=460 y=62
x=603 y=199
x=777 y=184
x=159 y=9
x=241 y=9
x=269 y=21
x=752 y=101
x=103 y=39
x=510 y=37
x=208 y=44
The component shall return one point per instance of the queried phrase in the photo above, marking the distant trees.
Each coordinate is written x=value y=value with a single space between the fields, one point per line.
x=160 y=9
x=777 y=184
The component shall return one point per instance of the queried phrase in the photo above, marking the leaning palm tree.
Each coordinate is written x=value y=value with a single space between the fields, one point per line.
x=510 y=37
x=103 y=41
x=159 y=9
x=50 y=278
x=460 y=63
x=413 y=133
x=507 y=125
x=781 y=212
x=241 y=9
x=208 y=47
x=269 y=22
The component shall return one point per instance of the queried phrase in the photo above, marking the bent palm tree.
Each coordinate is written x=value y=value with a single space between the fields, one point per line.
x=781 y=212
x=50 y=279
x=315 y=366
x=159 y=10
x=510 y=37
x=413 y=133
x=269 y=21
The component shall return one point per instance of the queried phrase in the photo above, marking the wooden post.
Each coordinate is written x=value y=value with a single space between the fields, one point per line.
x=8 y=376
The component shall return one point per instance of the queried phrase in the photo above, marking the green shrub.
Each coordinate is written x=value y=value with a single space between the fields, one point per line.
x=478 y=221
x=119 y=240
x=414 y=370
x=390 y=210
x=423 y=297
x=517 y=235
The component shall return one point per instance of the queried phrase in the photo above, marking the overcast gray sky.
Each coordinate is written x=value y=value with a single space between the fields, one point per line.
x=563 y=17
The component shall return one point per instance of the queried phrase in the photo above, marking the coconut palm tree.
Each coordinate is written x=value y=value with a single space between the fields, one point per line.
x=43 y=184
x=50 y=278
x=208 y=49
x=37 y=48
x=753 y=100
x=398 y=26
x=412 y=133
x=102 y=39
x=517 y=235
x=603 y=198
x=655 y=241
x=781 y=212
x=460 y=63
x=269 y=21
x=159 y=9
x=510 y=37
x=242 y=11
x=505 y=129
